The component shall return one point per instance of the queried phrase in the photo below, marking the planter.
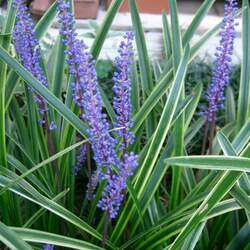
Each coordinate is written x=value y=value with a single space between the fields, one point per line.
x=145 y=6
x=84 y=9
x=40 y=6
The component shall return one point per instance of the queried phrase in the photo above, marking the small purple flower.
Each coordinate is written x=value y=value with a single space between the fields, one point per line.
x=122 y=90
x=80 y=159
x=48 y=247
x=113 y=193
x=221 y=70
x=52 y=126
x=28 y=50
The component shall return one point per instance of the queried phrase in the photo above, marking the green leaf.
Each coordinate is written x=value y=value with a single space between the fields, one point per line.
x=192 y=28
x=226 y=181
x=242 y=138
x=26 y=190
x=158 y=173
x=154 y=97
x=58 y=69
x=244 y=91
x=42 y=210
x=176 y=34
x=193 y=238
x=172 y=224
x=44 y=92
x=240 y=240
x=241 y=197
x=43 y=163
x=228 y=131
x=239 y=194
x=37 y=236
x=105 y=27
x=212 y=162
x=158 y=139
x=165 y=81
x=166 y=36
x=45 y=21
x=198 y=18
x=40 y=29
x=5 y=43
x=12 y=161
x=11 y=239
x=230 y=105
x=225 y=144
x=144 y=64
x=164 y=123
x=145 y=69
x=179 y=125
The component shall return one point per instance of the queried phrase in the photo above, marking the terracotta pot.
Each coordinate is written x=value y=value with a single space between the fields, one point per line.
x=40 y=6
x=145 y=6
x=84 y=9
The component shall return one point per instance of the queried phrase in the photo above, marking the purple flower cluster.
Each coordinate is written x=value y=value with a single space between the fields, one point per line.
x=81 y=158
x=223 y=55
x=78 y=58
x=113 y=193
x=29 y=52
x=48 y=247
x=86 y=91
x=122 y=90
x=87 y=96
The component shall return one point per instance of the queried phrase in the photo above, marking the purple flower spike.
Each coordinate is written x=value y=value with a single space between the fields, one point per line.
x=48 y=247
x=113 y=194
x=86 y=92
x=122 y=90
x=28 y=50
x=223 y=55
x=76 y=51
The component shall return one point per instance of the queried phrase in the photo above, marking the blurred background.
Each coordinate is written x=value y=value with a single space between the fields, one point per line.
x=90 y=8
x=90 y=13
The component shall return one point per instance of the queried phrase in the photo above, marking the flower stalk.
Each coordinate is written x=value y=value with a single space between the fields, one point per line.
x=221 y=72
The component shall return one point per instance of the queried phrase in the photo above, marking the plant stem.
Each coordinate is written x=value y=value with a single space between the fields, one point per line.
x=52 y=151
x=9 y=209
x=5 y=40
x=105 y=229
x=205 y=137
x=3 y=161
x=211 y=136
x=89 y=161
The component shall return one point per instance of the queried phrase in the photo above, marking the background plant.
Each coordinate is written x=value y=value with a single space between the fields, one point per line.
x=175 y=200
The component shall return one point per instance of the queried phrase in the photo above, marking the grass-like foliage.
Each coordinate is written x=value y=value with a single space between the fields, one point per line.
x=141 y=156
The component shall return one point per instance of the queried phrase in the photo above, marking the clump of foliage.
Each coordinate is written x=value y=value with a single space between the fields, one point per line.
x=108 y=155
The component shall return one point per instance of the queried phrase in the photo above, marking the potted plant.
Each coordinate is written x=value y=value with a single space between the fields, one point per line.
x=144 y=6
x=84 y=9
